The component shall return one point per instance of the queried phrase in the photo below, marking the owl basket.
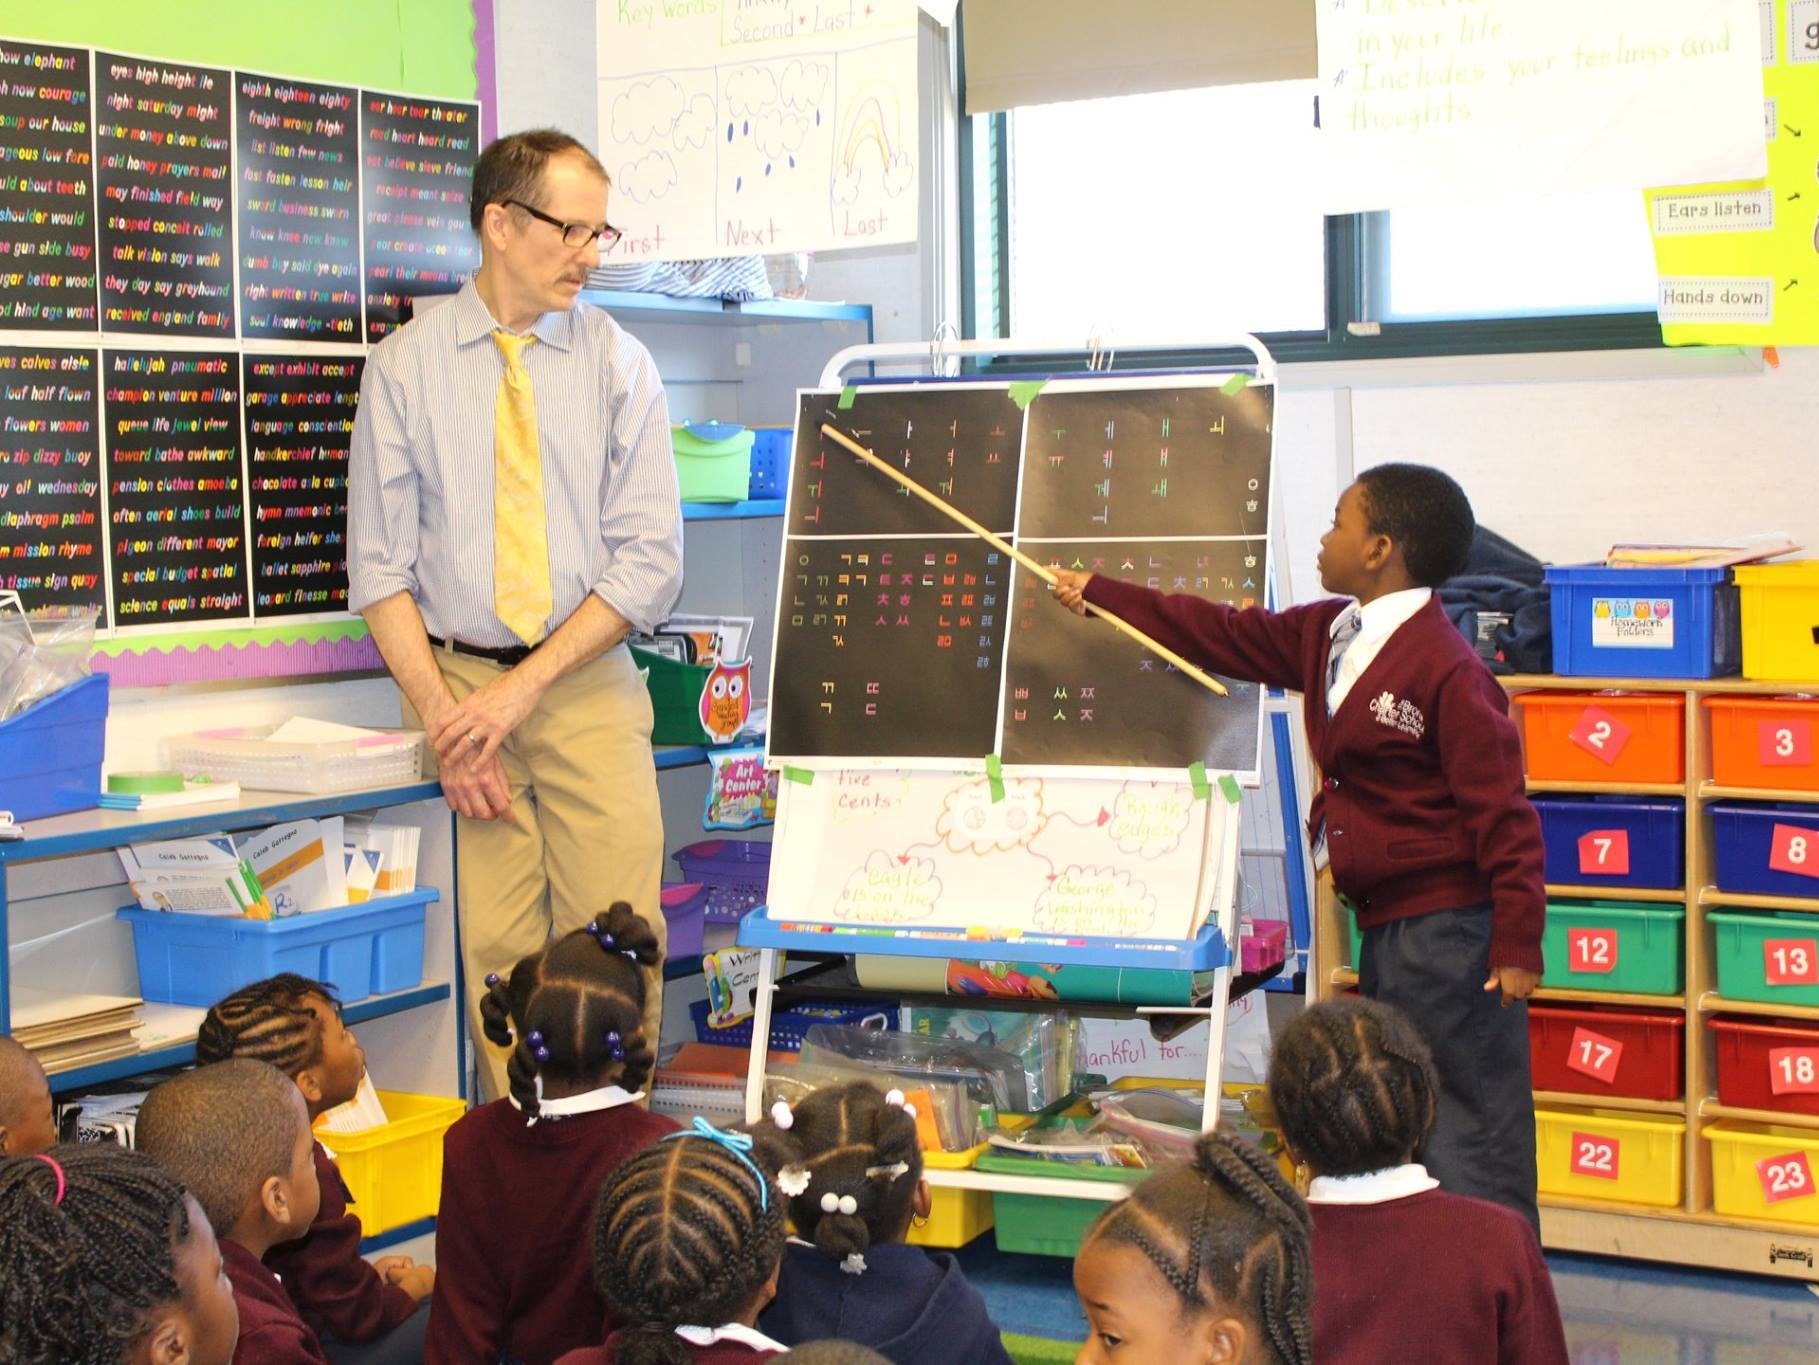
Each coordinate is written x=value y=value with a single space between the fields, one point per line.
x=696 y=703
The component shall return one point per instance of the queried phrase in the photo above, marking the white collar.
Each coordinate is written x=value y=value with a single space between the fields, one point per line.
x=1381 y=615
x=1373 y=1187
x=587 y=1102
x=732 y=1331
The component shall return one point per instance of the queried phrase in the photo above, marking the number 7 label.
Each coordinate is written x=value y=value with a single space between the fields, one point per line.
x=1604 y=853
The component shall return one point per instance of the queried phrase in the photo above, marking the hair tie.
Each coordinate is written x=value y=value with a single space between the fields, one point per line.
x=492 y=980
x=736 y=1143
x=794 y=1180
x=839 y=1203
x=538 y=1049
x=895 y=1099
x=62 y=1182
x=893 y=1171
x=615 y=1045
x=854 y=1264
x=783 y=1116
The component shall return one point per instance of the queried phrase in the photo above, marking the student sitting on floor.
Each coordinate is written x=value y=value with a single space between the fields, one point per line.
x=1354 y=1088
x=106 y=1260
x=28 y=1123
x=687 y=1245
x=237 y=1134
x=848 y=1271
x=514 y=1279
x=364 y=1313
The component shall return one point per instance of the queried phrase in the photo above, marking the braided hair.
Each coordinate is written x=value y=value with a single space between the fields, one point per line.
x=1354 y=1086
x=1225 y=1231
x=574 y=1011
x=685 y=1232
x=852 y=1142
x=269 y=1020
x=81 y=1275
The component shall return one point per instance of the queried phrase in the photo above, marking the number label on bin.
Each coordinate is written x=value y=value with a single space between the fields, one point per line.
x=1600 y=734
x=1790 y=961
x=1604 y=853
x=1595 y=1156
x=1793 y=1070
x=1595 y=1055
x=1785 y=1177
x=1591 y=950
x=1795 y=849
x=1785 y=743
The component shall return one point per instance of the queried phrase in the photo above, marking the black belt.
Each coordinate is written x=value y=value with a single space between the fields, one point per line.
x=510 y=655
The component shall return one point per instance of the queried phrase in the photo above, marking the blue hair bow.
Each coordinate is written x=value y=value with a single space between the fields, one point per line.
x=736 y=1143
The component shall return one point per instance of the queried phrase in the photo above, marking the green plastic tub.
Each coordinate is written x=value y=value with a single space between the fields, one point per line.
x=1615 y=946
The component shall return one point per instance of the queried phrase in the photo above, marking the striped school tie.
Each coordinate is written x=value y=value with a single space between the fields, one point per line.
x=521 y=586
x=1342 y=641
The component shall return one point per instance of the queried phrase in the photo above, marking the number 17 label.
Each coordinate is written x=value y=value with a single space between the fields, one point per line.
x=1593 y=1054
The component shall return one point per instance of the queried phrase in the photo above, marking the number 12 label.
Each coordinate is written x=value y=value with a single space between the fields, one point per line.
x=1595 y=1156
x=1790 y=962
x=1591 y=950
x=1785 y=1177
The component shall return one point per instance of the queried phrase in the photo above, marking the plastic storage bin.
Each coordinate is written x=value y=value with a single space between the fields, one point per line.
x=771 y=448
x=1040 y=1224
x=1639 y=1054
x=394 y=1172
x=246 y=755
x=1766 y=849
x=1765 y=1170
x=684 y=910
x=1765 y=742
x=736 y=873
x=675 y=690
x=1614 y=840
x=1609 y=1154
x=1767 y=1064
x=955 y=1217
x=788 y=1027
x=369 y=949
x=1603 y=736
x=1780 y=619
x=1767 y=955
x=50 y=755
x=1643 y=623
x=1615 y=946
x=713 y=461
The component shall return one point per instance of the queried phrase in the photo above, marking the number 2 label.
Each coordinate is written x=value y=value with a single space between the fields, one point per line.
x=1794 y=849
x=1595 y=1156
x=1785 y=1177
x=1604 y=853
x=1593 y=1054
x=1785 y=743
x=1793 y=1070
x=1600 y=734
x=1790 y=962
x=1591 y=950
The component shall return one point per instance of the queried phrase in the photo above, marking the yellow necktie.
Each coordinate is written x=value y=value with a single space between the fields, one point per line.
x=521 y=586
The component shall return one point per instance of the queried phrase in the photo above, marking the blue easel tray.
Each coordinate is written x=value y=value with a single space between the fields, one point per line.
x=1204 y=953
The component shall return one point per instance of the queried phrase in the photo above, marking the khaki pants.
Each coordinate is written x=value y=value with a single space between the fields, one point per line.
x=589 y=830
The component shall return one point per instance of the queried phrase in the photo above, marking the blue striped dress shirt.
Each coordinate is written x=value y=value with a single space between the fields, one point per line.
x=420 y=479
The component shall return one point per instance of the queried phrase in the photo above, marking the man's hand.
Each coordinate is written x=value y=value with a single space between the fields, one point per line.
x=473 y=729
x=478 y=788
x=419 y=1281
x=1069 y=589
x=1515 y=983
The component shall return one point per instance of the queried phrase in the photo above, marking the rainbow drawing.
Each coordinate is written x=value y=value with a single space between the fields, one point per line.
x=873 y=118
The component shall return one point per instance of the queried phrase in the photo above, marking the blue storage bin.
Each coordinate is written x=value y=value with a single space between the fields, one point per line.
x=1608 y=623
x=771 y=447
x=1743 y=839
x=369 y=949
x=1656 y=830
x=789 y=1027
x=50 y=756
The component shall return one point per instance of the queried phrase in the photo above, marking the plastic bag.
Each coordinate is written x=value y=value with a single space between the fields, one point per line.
x=40 y=655
x=1042 y=1041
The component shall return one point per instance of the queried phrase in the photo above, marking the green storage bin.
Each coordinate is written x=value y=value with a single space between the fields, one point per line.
x=1741 y=941
x=713 y=461
x=1651 y=947
x=1040 y=1225
x=675 y=690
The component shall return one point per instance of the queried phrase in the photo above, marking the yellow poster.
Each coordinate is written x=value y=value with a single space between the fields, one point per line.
x=1739 y=260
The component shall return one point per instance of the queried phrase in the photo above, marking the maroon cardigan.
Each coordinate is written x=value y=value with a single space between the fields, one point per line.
x=720 y=1353
x=271 y=1333
x=1422 y=790
x=336 y=1290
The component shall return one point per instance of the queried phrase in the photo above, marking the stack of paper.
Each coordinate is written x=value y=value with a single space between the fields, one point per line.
x=359 y=1114
x=197 y=876
x=395 y=847
x=196 y=792
x=64 y=1031
x=300 y=865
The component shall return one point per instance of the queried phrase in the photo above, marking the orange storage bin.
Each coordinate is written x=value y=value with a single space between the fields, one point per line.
x=1603 y=736
x=1768 y=742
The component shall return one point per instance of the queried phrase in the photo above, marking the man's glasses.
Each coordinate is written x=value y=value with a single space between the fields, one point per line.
x=574 y=235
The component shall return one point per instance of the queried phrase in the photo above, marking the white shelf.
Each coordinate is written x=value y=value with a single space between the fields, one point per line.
x=1047 y=1187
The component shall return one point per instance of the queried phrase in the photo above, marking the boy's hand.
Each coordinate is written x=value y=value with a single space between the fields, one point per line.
x=1515 y=983
x=391 y=1267
x=1069 y=589
x=419 y=1281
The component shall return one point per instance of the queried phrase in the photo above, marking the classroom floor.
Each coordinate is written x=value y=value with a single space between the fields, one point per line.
x=1616 y=1312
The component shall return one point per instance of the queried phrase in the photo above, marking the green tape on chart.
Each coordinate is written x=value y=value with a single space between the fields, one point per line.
x=994 y=774
x=1235 y=384
x=1229 y=785
x=1024 y=391
x=1196 y=773
x=805 y=776
x=847 y=395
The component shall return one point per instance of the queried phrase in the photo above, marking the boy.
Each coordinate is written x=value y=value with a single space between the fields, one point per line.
x=28 y=1124
x=237 y=1135
x=1421 y=812
x=295 y=1024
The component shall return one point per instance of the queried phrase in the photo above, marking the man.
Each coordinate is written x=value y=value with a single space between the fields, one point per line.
x=512 y=515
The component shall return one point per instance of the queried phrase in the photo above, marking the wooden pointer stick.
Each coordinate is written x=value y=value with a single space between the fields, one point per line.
x=1041 y=571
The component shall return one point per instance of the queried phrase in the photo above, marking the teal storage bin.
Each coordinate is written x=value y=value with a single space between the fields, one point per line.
x=1040 y=1225
x=713 y=461
x=1647 y=957
x=50 y=755
x=1744 y=954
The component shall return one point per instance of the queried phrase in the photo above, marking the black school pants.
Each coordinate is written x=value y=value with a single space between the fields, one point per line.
x=1433 y=967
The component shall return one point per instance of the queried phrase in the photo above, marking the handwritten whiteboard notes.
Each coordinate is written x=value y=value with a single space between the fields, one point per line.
x=732 y=127
x=1439 y=100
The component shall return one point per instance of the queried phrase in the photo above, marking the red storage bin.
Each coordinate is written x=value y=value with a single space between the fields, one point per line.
x=1768 y=1064
x=1765 y=742
x=1636 y=1053
x=1603 y=736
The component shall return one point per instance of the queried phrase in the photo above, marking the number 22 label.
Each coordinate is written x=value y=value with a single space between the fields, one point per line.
x=1595 y=1156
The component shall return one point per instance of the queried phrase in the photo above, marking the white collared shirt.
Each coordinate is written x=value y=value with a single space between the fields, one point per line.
x=1374 y=1187
x=587 y=1102
x=1379 y=619
x=732 y=1331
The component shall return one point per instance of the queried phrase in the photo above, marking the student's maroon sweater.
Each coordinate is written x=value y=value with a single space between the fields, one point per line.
x=1432 y=1276
x=1422 y=790
x=720 y=1353
x=514 y=1233
x=271 y=1333
x=335 y=1289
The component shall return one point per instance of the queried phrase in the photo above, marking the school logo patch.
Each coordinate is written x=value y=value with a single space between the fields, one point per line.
x=1398 y=715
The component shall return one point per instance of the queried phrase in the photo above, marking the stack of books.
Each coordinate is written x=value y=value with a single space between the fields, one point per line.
x=68 y=1031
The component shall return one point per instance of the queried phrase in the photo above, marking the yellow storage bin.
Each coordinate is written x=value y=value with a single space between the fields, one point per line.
x=1610 y=1154
x=955 y=1216
x=394 y=1172
x=1780 y=609
x=1765 y=1170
